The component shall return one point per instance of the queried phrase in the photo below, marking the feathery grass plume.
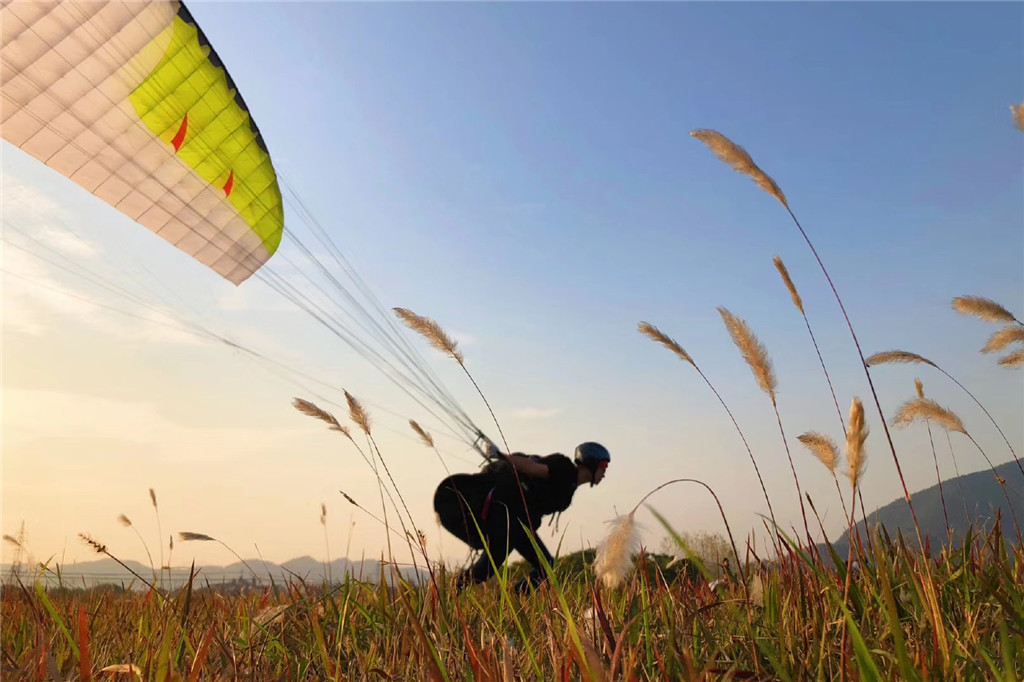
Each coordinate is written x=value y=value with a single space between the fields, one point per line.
x=614 y=558
x=856 y=434
x=737 y=157
x=1013 y=360
x=357 y=413
x=437 y=337
x=427 y=439
x=925 y=408
x=983 y=308
x=929 y=410
x=781 y=267
x=431 y=331
x=1017 y=111
x=753 y=351
x=127 y=523
x=890 y=356
x=159 y=528
x=186 y=536
x=323 y=514
x=312 y=410
x=13 y=540
x=652 y=332
x=822 y=447
x=1011 y=333
x=904 y=356
x=919 y=388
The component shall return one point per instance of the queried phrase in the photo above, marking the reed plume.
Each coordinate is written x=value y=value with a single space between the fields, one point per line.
x=925 y=409
x=189 y=536
x=756 y=356
x=784 y=273
x=101 y=548
x=905 y=356
x=438 y=338
x=428 y=440
x=737 y=157
x=1017 y=112
x=856 y=434
x=614 y=558
x=327 y=542
x=729 y=155
x=902 y=356
x=753 y=352
x=824 y=448
x=983 y=308
x=656 y=335
x=919 y=388
x=312 y=410
x=1013 y=360
x=357 y=413
x=127 y=523
x=159 y=529
x=1011 y=333
x=432 y=332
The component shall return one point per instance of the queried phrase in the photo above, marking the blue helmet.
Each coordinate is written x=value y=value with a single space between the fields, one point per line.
x=592 y=456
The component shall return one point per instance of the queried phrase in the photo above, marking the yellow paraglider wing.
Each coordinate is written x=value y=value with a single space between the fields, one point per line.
x=129 y=100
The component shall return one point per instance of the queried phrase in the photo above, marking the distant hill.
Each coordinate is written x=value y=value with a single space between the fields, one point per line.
x=971 y=500
x=86 y=574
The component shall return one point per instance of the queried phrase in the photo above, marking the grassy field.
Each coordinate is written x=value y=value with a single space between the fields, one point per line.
x=955 y=616
x=907 y=612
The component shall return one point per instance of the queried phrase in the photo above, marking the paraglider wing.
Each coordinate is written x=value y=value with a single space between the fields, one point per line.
x=129 y=100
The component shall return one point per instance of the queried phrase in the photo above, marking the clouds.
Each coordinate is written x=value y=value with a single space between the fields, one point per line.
x=531 y=413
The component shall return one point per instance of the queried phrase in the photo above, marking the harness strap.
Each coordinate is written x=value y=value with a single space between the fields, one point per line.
x=487 y=504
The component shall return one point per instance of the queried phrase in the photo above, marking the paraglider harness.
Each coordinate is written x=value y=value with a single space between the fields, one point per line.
x=499 y=468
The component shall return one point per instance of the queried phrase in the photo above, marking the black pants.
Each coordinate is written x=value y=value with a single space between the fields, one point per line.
x=498 y=525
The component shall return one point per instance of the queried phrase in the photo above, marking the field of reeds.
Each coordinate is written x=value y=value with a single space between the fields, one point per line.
x=891 y=607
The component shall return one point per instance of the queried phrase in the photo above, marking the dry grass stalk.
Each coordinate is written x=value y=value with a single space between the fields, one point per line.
x=310 y=409
x=982 y=308
x=431 y=331
x=1011 y=333
x=349 y=498
x=186 y=536
x=1014 y=359
x=1017 y=111
x=357 y=413
x=124 y=521
x=737 y=157
x=822 y=447
x=856 y=434
x=752 y=350
x=13 y=540
x=923 y=408
x=614 y=558
x=781 y=267
x=896 y=356
x=119 y=668
x=152 y=497
x=652 y=332
x=919 y=387
x=427 y=439
x=323 y=514
x=97 y=546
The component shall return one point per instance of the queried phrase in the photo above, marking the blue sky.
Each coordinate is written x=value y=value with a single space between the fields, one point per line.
x=523 y=173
